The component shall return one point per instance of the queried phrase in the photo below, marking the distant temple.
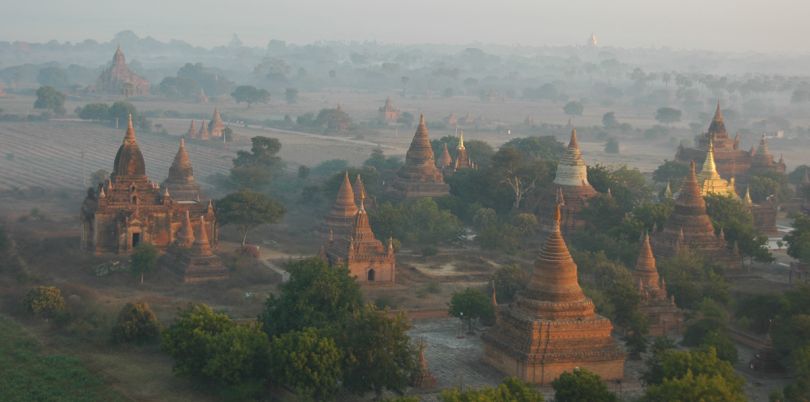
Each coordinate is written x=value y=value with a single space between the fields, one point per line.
x=763 y=214
x=762 y=160
x=592 y=41
x=552 y=327
x=689 y=228
x=462 y=158
x=388 y=113
x=662 y=314
x=419 y=176
x=181 y=183
x=571 y=190
x=352 y=243
x=128 y=209
x=118 y=79
x=216 y=126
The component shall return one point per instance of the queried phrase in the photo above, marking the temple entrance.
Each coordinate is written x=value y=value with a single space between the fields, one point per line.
x=371 y=275
x=136 y=239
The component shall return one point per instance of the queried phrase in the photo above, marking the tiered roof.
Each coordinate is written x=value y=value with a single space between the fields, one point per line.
x=217 y=125
x=462 y=158
x=710 y=181
x=571 y=169
x=446 y=160
x=129 y=164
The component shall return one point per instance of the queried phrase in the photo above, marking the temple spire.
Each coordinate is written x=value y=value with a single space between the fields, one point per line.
x=573 y=143
x=130 y=135
x=186 y=234
x=461 y=140
x=201 y=244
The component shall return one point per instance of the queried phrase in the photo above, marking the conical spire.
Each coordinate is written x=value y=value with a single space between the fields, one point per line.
x=446 y=160
x=709 y=179
x=461 y=140
x=129 y=159
x=668 y=192
x=359 y=189
x=130 y=135
x=345 y=203
x=573 y=143
x=571 y=170
x=201 y=244
x=645 y=269
x=690 y=195
x=747 y=198
x=192 y=130
x=420 y=152
x=181 y=171
x=185 y=237
x=717 y=128
x=709 y=167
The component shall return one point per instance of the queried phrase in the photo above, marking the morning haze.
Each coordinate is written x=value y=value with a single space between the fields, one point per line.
x=506 y=201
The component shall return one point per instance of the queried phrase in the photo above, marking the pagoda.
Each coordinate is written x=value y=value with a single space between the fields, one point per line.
x=662 y=313
x=552 y=327
x=689 y=227
x=359 y=190
x=366 y=258
x=340 y=219
x=710 y=181
x=181 y=183
x=763 y=214
x=571 y=189
x=445 y=161
x=462 y=158
x=730 y=160
x=203 y=133
x=388 y=113
x=216 y=126
x=118 y=79
x=129 y=209
x=192 y=130
x=193 y=257
x=420 y=177
x=762 y=160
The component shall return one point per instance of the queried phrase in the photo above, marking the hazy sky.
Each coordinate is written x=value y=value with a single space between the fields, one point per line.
x=735 y=25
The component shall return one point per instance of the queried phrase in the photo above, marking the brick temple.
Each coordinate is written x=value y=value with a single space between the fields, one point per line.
x=689 y=227
x=663 y=315
x=552 y=327
x=181 y=183
x=118 y=79
x=419 y=176
x=351 y=242
x=388 y=113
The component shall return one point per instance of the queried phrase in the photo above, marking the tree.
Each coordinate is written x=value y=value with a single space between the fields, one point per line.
x=98 y=177
x=581 y=385
x=50 y=99
x=120 y=112
x=798 y=240
x=671 y=172
x=255 y=169
x=291 y=96
x=673 y=364
x=609 y=120
x=247 y=209
x=509 y=280
x=379 y=353
x=144 y=259
x=333 y=120
x=510 y=390
x=406 y=119
x=250 y=95
x=53 y=76
x=471 y=304
x=695 y=387
x=537 y=147
x=136 y=323
x=316 y=296
x=307 y=362
x=667 y=115
x=612 y=146
x=95 y=111
x=45 y=301
x=573 y=108
x=417 y=221
x=209 y=346
x=735 y=220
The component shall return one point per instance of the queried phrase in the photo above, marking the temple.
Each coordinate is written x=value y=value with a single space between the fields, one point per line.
x=420 y=177
x=571 y=190
x=689 y=227
x=181 y=183
x=129 y=209
x=118 y=79
x=193 y=258
x=352 y=243
x=710 y=181
x=552 y=327
x=462 y=158
x=216 y=126
x=445 y=161
x=192 y=130
x=762 y=161
x=388 y=113
x=663 y=315
x=203 y=134
x=763 y=214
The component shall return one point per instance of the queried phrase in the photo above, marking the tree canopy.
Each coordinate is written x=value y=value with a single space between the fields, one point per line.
x=247 y=209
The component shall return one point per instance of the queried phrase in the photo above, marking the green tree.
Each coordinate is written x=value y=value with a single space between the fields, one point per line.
x=609 y=120
x=612 y=146
x=735 y=220
x=418 y=221
x=95 y=111
x=306 y=362
x=671 y=172
x=120 y=112
x=471 y=304
x=50 y=99
x=136 y=323
x=333 y=120
x=98 y=177
x=379 y=354
x=573 y=108
x=246 y=210
x=45 y=301
x=510 y=390
x=695 y=387
x=316 y=296
x=250 y=95
x=690 y=279
x=291 y=96
x=581 y=385
x=769 y=184
x=537 y=147
x=673 y=364
x=144 y=259
x=256 y=168
x=798 y=240
x=509 y=280
x=667 y=115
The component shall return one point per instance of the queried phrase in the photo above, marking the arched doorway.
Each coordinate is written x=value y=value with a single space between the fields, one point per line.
x=371 y=275
x=136 y=239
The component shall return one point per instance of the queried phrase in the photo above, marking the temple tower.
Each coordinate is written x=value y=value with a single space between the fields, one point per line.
x=462 y=158
x=552 y=327
x=181 y=183
x=420 y=177
x=118 y=79
x=710 y=181
x=445 y=161
x=340 y=220
x=217 y=125
x=662 y=313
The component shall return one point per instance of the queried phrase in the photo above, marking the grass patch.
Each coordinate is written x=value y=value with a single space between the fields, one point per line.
x=28 y=374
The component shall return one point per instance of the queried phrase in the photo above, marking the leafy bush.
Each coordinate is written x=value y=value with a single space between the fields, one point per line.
x=46 y=301
x=136 y=323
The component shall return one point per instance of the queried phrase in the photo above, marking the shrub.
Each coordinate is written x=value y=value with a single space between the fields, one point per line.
x=136 y=323
x=46 y=301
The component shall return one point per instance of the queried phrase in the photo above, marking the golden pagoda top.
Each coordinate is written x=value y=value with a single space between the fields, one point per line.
x=710 y=181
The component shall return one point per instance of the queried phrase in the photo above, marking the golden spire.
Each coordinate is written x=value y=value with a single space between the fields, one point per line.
x=573 y=143
x=709 y=166
x=461 y=140
x=747 y=198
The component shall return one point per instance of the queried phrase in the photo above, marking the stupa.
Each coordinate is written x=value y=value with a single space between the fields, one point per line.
x=462 y=158
x=198 y=263
x=763 y=161
x=571 y=189
x=445 y=161
x=689 y=228
x=340 y=220
x=420 y=177
x=710 y=181
x=118 y=79
x=217 y=125
x=552 y=327
x=192 y=130
x=181 y=183
x=662 y=314
x=203 y=133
